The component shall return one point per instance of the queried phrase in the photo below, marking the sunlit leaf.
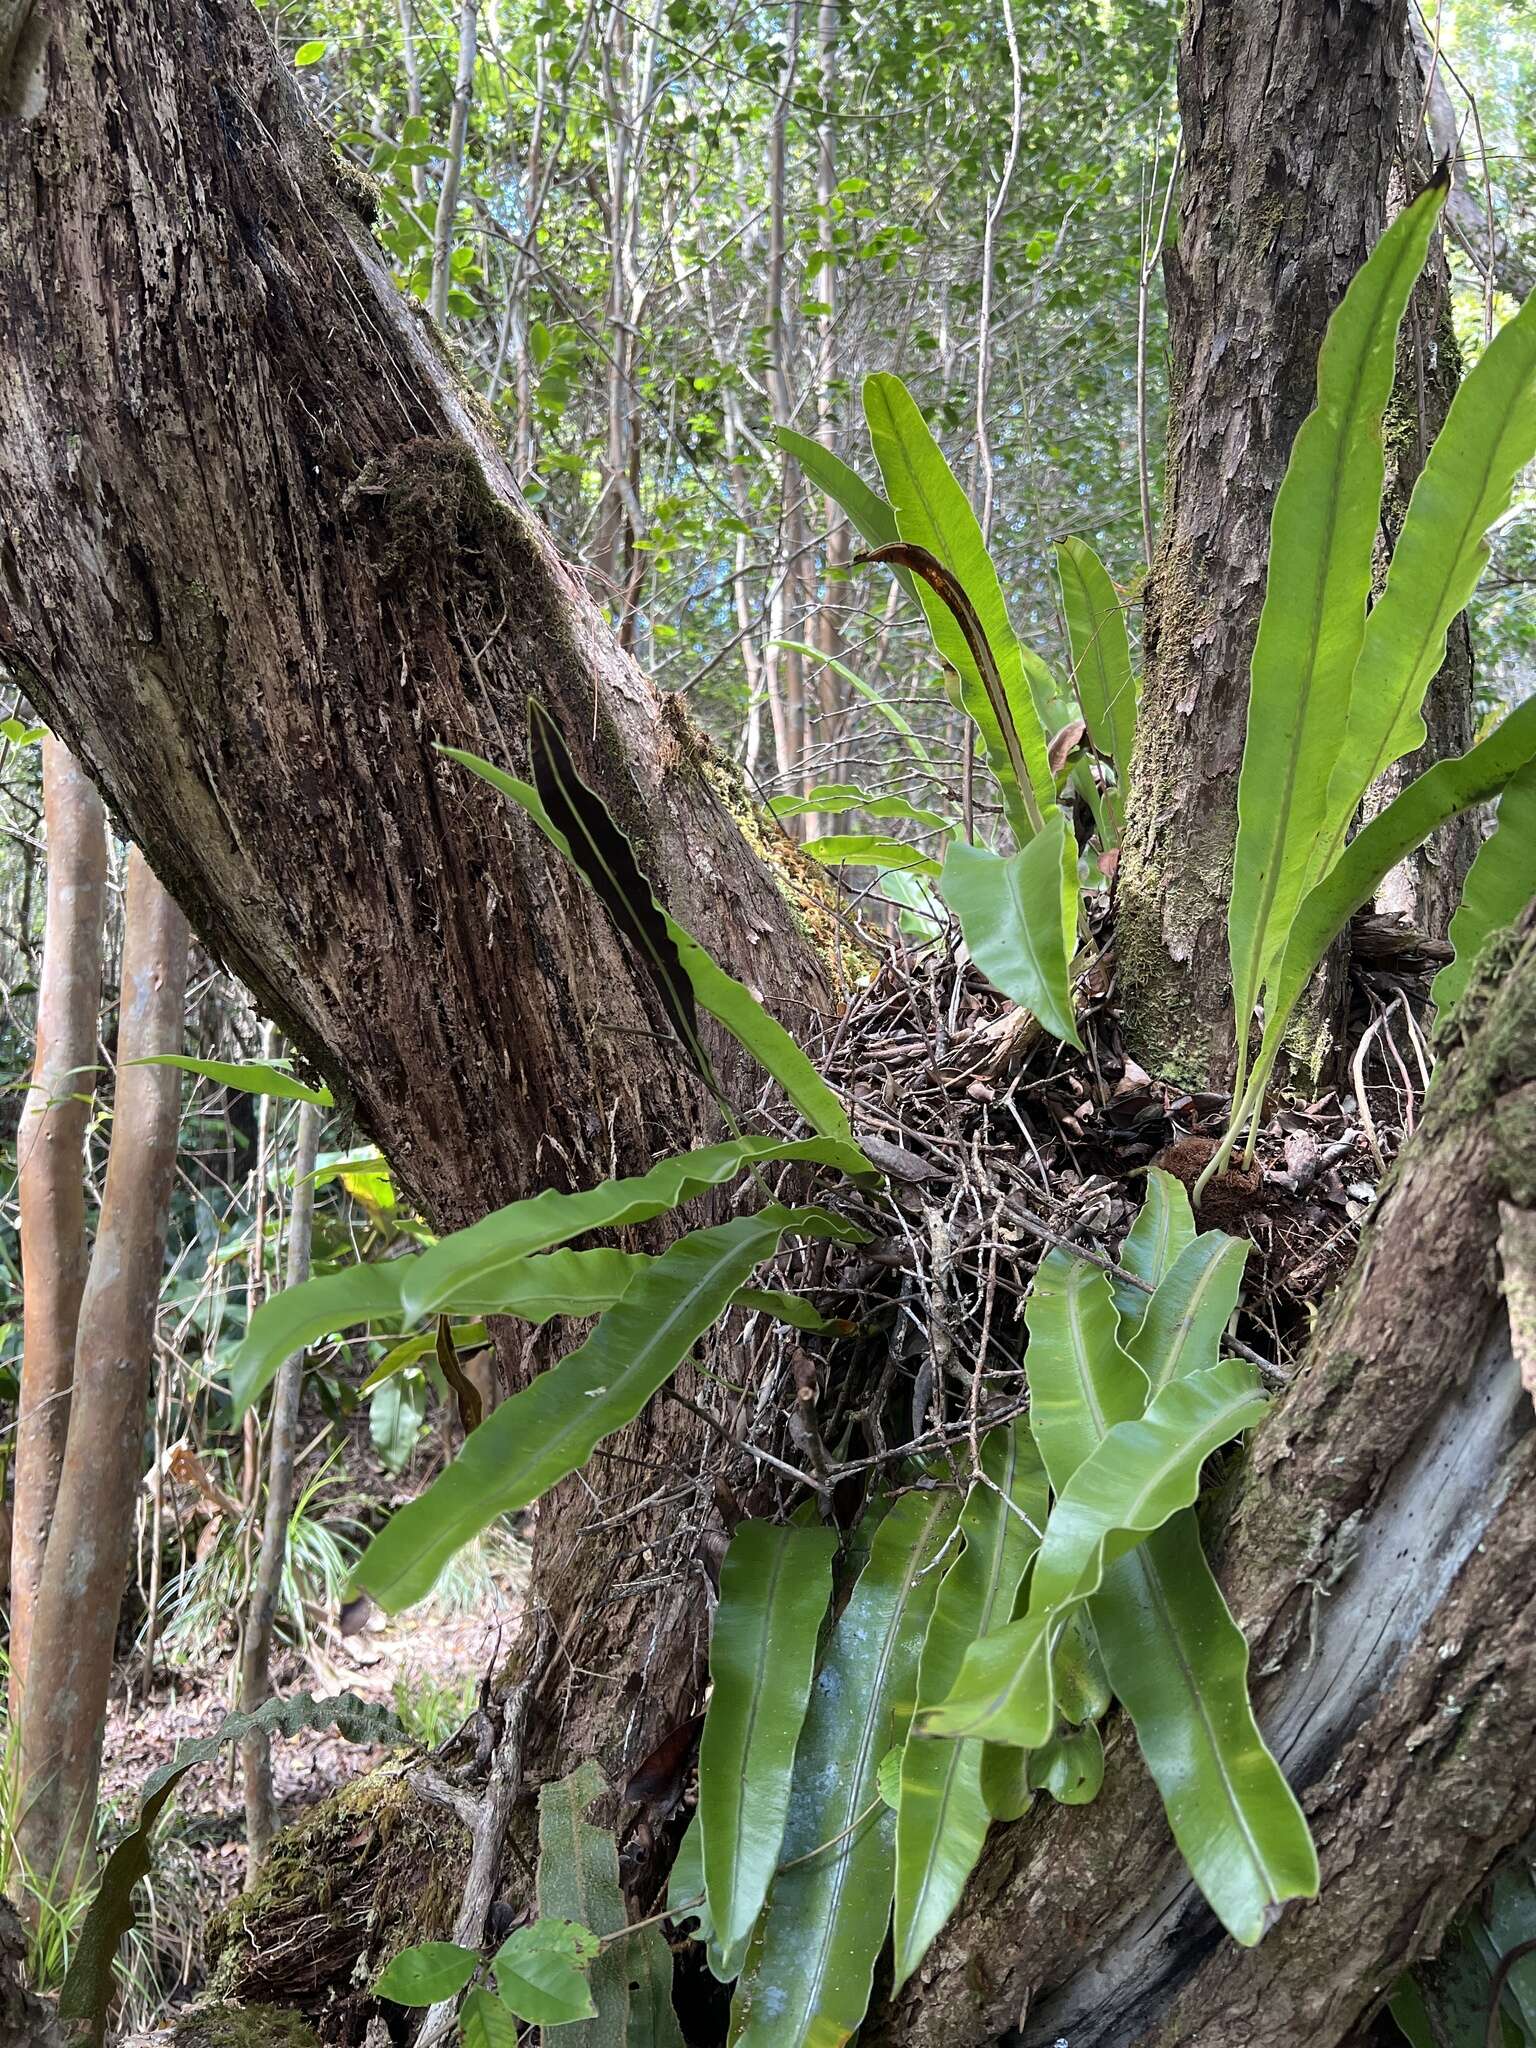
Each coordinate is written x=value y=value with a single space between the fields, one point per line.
x=1467 y=482
x=831 y=798
x=870 y=850
x=1195 y=1300
x=1312 y=626
x=933 y=513
x=248 y=1077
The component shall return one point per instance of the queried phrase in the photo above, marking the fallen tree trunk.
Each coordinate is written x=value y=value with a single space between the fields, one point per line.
x=1381 y=1559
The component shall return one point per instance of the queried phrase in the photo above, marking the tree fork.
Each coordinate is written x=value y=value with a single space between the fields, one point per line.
x=1380 y=1557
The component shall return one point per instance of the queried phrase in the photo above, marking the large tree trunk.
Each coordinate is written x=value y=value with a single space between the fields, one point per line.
x=259 y=554
x=1292 y=120
x=51 y=1172
x=90 y=1538
x=1380 y=1558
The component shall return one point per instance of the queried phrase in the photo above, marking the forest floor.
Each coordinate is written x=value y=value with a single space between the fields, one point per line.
x=425 y=1666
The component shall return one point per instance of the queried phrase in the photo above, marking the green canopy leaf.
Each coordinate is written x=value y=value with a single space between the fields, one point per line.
x=541 y=1972
x=870 y=850
x=831 y=798
x=429 y=1971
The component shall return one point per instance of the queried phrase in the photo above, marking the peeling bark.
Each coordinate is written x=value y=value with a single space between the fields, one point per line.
x=1380 y=1557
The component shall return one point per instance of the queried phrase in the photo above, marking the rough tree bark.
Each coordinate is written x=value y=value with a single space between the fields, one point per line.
x=259 y=553
x=51 y=1178
x=1293 y=119
x=74 y=1623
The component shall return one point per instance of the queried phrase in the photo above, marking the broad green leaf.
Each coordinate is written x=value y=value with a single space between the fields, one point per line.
x=1081 y=1383
x=943 y=1813
x=1019 y=919
x=1406 y=2005
x=1179 y=1665
x=835 y=797
x=248 y=1077
x=1082 y=1688
x=20 y=734
x=1070 y=1767
x=774 y=1587
x=726 y=1000
x=1140 y=1474
x=1164 y=1225
x=426 y=1973
x=1439 y=793
x=793 y=1309
x=1101 y=659
x=1501 y=881
x=287 y=1321
x=1312 y=627
x=1466 y=484
x=541 y=1972
x=1005 y=1787
x=484 y=2022
x=412 y=1350
x=933 y=512
x=811 y=1964
x=482 y=1254
x=88 y=1987
x=578 y=1879
x=870 y=850
x=553 y=1426
x=309 y=53
x=549 y=1284
x=888 y=1778
x=1182 y=1328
